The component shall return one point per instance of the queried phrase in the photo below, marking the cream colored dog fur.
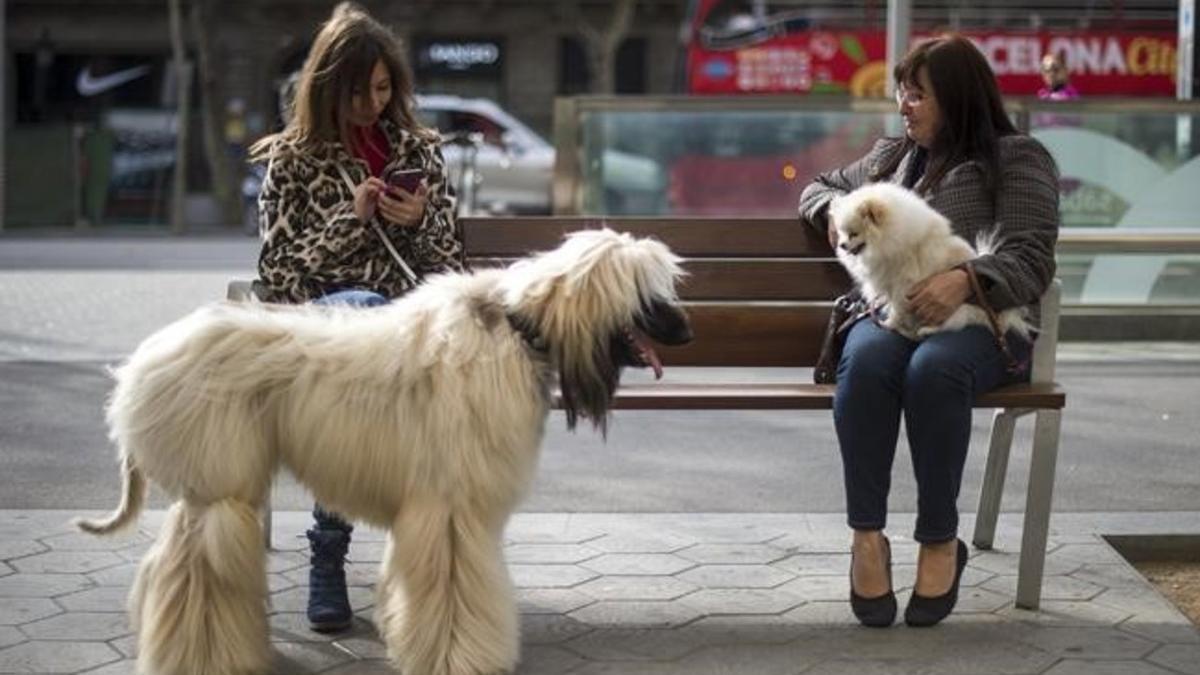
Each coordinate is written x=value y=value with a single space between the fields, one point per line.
x=423 y=417
x=889 y=239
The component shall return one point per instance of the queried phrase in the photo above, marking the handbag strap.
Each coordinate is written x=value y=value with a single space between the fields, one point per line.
x=993 y=318
x=387 y=242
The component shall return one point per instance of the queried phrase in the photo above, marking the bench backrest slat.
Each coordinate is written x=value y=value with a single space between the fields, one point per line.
x=747 y=278
x=689 y=238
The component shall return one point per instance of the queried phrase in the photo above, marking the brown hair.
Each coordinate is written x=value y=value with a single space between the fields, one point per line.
x=339 y=65
x=973 y=115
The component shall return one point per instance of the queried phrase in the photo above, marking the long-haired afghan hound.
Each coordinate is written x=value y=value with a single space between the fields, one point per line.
x=423 y=417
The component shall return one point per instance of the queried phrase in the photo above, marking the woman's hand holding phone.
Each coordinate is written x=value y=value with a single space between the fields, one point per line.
x=403 y=200
x=366 y=196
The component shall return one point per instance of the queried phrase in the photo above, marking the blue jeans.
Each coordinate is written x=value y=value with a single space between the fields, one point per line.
x=327 y=520
x=933 y=383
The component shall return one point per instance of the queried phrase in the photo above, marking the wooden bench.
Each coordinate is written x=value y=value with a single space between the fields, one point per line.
x=758 y=295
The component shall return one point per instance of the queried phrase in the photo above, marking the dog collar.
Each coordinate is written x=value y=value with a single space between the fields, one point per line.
x=528 y=332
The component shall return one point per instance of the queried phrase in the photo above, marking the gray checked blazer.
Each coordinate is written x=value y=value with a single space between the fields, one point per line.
x=1025 y=213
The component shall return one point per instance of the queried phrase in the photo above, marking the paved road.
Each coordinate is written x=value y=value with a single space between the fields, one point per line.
x=70 y=307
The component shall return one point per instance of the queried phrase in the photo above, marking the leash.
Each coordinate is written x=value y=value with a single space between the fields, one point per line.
x=993 y=319
x=387 y=242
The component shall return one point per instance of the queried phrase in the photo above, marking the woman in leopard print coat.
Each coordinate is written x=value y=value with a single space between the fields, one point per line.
x=320 y=236
x=333 y=232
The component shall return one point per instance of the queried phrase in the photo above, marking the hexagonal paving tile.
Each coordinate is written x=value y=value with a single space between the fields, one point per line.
x=625 y=542
x=121 y=575
x=815 y=564
x=818 y=588
x=823 y=613
x=5 y=570
x=81 y=541
x=551 y=600
x=636 y=588
x=547 y=660
x=293 y=627
x=307 y=657
x=42 y=656
x=127 y=645
x=1183 y=658
x=549 y=576
x=548 y=629
x=67 y=562
x=1165 y=626
x=15 y=611
x=40 y=585
x=1095 y=643
x=1069 y=613
x=1007 y=562
x=548 y=530
x=1091 y=553
x=638 y=563
x=622 y=645
x=79 y=626
x=19 y=548
x=1053 y=587
x=364 y=647
x=640 y=614
x=736 y=576
x=1084 y=667
x=757 y=659
x=370 y=552
x=743 y=601
x=549 y=553
x=756 y=629
x=972 y=599
x=733 y=554
x=98 y=599
x=1110 y=576
x=127 y=667
x=10 y=636
x=362 y=668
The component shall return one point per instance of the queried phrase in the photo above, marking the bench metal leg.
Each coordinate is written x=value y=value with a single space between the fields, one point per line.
x=1003 y=423
x=1046 y=430
x=265 y=514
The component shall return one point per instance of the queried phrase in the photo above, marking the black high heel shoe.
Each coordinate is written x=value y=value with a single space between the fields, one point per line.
x=880 y=611
x=922 y=611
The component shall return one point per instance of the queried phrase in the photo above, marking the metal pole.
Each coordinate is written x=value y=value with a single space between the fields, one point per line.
x=899 y=24
x=1186 y=50
x=1184 y=53
x=3 y=111
x=183 y=88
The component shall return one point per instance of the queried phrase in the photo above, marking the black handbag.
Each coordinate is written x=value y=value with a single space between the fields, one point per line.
x=847 y=310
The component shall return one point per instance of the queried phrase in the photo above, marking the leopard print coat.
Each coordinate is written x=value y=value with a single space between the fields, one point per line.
x=313 y=244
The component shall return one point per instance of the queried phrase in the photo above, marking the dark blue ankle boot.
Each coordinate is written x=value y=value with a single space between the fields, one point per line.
x=328 y=607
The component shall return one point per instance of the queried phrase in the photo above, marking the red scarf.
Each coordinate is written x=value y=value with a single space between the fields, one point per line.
x=371 y=146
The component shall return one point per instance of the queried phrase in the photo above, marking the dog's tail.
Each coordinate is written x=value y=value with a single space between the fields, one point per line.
x=988 y=241
x=133 y=498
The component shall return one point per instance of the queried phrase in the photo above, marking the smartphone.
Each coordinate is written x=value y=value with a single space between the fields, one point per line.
x=405 y=179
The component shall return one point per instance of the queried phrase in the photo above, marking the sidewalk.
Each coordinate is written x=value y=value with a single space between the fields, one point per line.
x=651 y=593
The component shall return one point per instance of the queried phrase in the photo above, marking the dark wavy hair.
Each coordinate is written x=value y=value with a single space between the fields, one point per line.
x=973 y=115
x=339 y=64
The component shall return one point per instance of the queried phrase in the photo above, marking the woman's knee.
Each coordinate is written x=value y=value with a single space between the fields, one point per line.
x=873 y=355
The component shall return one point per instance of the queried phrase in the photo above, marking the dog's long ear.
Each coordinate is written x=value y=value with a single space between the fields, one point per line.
x=872 y=211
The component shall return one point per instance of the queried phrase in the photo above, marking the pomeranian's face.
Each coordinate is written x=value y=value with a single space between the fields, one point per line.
x=857 y=222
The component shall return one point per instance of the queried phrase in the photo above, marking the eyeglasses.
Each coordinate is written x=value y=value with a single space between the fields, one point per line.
x=913 y=97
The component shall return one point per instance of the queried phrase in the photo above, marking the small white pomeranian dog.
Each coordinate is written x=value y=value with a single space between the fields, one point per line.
x=889 y=239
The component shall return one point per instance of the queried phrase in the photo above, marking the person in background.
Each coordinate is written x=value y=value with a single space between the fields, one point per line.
x=333 y=231
x=1057 y=78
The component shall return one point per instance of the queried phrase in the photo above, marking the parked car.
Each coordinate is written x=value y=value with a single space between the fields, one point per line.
x=515 y=166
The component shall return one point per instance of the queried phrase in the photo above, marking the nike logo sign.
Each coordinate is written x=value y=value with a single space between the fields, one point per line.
x=89 y=85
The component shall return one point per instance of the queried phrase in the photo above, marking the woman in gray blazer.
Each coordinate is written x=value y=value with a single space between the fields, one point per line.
x=962 y=153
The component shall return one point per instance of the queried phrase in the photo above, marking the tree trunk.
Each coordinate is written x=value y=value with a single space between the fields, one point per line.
x=183 y=81
x=224 y=183
x=602 y=46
